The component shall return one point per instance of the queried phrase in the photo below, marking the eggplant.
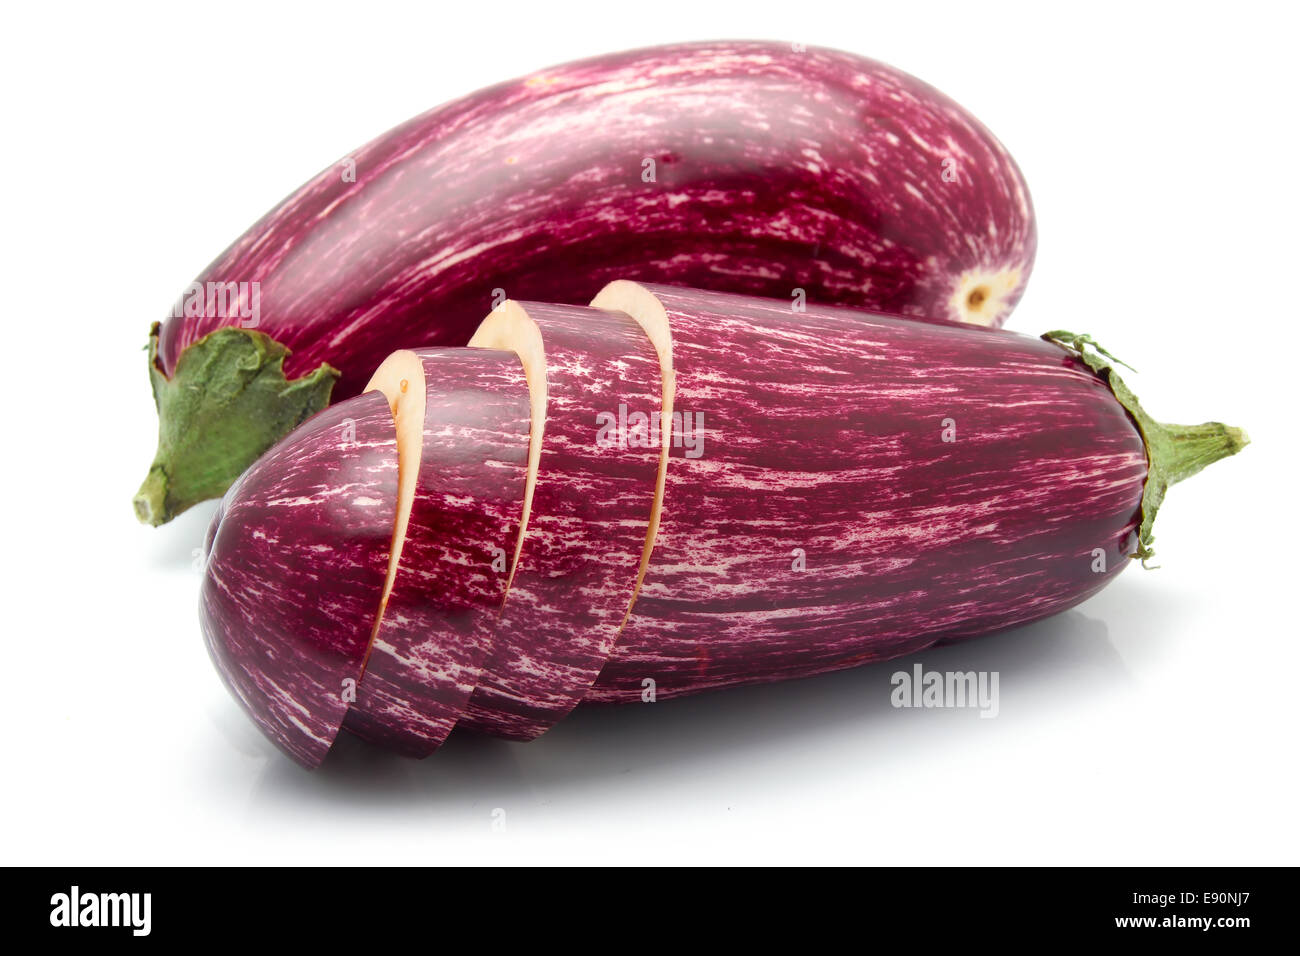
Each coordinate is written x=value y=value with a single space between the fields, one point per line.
x=821 y=488
x=296 y=559
x=586 y=512
x=807 y=175
x=463 y=419
x=870 y=487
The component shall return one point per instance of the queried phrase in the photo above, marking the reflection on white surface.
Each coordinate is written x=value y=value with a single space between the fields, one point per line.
x=1066 y=657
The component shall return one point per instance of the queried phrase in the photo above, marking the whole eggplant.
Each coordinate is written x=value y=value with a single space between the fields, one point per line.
x=804 y=174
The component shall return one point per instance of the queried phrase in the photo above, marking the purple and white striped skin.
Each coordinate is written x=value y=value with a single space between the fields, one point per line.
x=734 y=165
x=852 y=487
x=829 y=523
x=297 y=557
x=588 y=519
x=441 y=614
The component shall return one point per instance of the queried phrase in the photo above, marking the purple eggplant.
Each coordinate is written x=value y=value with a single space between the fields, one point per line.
x=463 y=420
x=867 y=487
x=803 y=174
x=297 y=556
x=788 y=492
x=586 y=508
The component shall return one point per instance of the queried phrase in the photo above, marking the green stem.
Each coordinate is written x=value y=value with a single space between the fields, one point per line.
x=226 y=403
x=1183 y=450
x=1174 y=452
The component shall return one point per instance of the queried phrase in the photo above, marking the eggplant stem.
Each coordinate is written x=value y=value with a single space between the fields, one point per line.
x=227 y=402
x=1174 y=452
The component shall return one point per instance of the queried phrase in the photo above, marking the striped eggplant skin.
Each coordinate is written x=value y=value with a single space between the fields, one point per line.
x=751 y=167
x=868 y=486
x=438 y=621
x=296 y=563
x=586 y=531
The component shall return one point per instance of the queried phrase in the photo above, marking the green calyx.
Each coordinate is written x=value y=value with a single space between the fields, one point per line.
x=226 y=403
x=1174 y=452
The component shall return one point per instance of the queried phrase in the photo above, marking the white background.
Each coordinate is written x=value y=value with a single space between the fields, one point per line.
x=1154 y=724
